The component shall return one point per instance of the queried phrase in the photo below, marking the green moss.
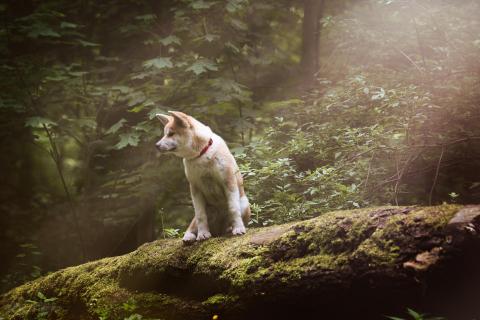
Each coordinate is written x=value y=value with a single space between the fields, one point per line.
x=376 y=254
x=437 y=216
x=219 y=300
x=326 y=246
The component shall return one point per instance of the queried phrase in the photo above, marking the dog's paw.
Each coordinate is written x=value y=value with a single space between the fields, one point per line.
x=189 y=237
x=236 y=231
x=203 y=235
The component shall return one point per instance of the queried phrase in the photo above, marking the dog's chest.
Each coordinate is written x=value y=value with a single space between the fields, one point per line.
x=208 y=177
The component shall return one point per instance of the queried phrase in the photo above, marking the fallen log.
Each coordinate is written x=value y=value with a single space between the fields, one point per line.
x=358 y=264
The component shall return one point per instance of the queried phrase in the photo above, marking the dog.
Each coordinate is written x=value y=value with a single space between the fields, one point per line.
x=216 y=184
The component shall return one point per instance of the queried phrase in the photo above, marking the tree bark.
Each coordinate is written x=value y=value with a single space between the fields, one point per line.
x=360 y=264
x=312 y=13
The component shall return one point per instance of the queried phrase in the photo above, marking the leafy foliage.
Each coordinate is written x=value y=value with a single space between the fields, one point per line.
x=391 y=119
x=373 y=132
x=416 y=316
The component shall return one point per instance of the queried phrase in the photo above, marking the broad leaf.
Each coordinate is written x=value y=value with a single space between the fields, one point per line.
x=153 y=112
x=170 y=39
x=211 y=37
x=201 y=4
x=234 y=5
x=158 y=63
x=117 y=126
x=87 y=123
x=39 y=122
x=127 y=139
x=202 y=65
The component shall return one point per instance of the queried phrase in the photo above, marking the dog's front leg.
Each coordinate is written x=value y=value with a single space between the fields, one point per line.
x=191 y=233
x=233 y=199
x=201 y=219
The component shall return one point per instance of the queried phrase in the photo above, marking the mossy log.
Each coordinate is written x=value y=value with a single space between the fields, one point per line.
x=358 y=264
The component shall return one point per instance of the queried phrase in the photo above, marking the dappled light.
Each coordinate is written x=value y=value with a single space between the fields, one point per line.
x=325 y=106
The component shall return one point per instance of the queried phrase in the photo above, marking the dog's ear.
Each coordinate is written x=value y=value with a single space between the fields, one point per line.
x=163 y=118
x=180 y=118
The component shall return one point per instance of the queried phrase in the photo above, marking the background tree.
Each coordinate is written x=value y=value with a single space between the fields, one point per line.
x=311 y=28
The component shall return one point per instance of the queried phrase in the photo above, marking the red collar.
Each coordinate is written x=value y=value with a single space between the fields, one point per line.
x=205 y=148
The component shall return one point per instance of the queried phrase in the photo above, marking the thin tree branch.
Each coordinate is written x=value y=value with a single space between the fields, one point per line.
x=436 y=176
x=420 y=45
x=369 y=170
x=410 y=60
x=410 y=160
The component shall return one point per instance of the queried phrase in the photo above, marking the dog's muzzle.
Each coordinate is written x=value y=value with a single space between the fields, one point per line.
x=163 y=147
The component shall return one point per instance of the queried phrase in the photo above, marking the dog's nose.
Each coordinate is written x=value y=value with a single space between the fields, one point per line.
x=158 y=146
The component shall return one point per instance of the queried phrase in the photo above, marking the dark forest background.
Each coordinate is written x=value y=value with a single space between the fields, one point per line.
x=326 y=105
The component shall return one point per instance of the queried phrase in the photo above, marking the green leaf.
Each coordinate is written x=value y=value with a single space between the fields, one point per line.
x=136 y=98
x=84 y=43
x=122 y=89
x=68 y=25
x=170 y=40
x=379 y=94
x=144 y=126
x=228 y=89
x=146 y=17
x=77 y=73
x=152 y=113
x=228 y=85
x=87 y=123
x=41 y=296
x=39 y=122
x=232 y=47
x=211 y=37
x=397 y=136
x=117 y=126
x=158 y=63
x=234 y=5
x=202 y=65
x=414 y=314
x=145 y=104
x=135 y=316
x=171 y=233
x=41 y=30
x=127 y=139
x=56 y=77
x=140 y=76
x=474 y=185
x=201 y=4
x=237 y=24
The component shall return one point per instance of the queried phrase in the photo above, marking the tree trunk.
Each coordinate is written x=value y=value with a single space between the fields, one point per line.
x=312 y=13
x=360 y=264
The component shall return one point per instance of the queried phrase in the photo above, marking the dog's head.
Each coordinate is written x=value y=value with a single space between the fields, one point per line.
x=182 y=134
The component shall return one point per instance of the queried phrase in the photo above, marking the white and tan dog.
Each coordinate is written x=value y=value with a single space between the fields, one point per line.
x=216 y=184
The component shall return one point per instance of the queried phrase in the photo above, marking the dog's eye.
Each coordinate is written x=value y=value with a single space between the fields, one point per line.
x=171 y=133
